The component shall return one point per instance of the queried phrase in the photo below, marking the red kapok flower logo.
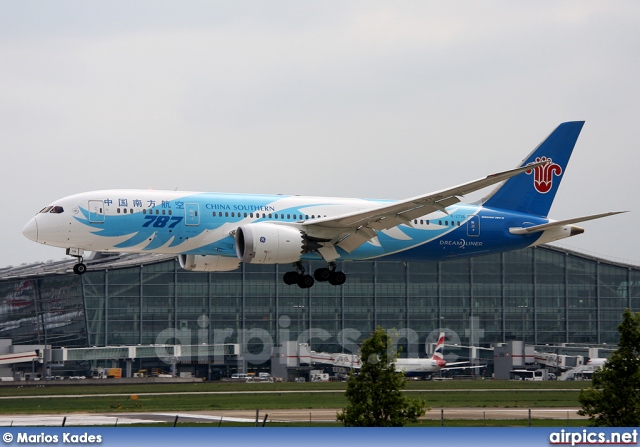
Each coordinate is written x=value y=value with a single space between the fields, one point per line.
x=543 y=174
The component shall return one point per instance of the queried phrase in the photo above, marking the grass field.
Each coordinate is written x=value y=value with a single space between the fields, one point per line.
x=83 y=397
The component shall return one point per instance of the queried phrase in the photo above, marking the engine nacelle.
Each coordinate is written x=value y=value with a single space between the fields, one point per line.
x=208 y=263
x=267 y=243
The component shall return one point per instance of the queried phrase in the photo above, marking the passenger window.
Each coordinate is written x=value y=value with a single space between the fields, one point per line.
x=124 y=210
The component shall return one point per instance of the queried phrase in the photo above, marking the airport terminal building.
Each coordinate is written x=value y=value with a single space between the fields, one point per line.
x=543 y=295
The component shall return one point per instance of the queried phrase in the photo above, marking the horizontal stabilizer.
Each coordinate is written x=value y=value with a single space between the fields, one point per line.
x=560 y=223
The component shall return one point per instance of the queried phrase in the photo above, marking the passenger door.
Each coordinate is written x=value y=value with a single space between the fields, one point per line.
x=192 y=214
x=96 y=211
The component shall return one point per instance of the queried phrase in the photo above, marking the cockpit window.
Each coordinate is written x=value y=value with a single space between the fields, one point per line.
x=52 y=210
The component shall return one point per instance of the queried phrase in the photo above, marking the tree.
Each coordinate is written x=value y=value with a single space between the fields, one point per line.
x=375 y=391
x=613 y=400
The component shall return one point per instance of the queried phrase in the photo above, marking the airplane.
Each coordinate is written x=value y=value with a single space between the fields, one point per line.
x=596 y=362
x=218 y=231
x=434 y=364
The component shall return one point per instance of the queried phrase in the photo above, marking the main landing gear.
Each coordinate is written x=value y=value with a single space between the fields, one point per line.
x=80 y=268
x=324 y=274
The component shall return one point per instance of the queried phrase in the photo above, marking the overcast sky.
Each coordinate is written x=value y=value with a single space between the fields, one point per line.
x=340 y=98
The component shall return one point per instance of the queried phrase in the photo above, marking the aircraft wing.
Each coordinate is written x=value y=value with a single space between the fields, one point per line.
x=351 y=230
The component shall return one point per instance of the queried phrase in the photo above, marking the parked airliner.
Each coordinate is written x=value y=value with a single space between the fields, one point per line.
x=597 y=362
x=218 y=231
x=434 y=364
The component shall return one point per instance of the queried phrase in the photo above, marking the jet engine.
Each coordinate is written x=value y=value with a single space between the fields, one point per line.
x=267 y=243
x=208 y=263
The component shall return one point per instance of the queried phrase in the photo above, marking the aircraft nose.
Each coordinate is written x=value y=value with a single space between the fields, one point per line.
x=31 y=230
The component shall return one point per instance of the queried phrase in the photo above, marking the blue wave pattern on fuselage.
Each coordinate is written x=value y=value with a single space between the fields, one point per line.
x=445 y=235
x=389 y=244
x=493 y=235
x=232 y=206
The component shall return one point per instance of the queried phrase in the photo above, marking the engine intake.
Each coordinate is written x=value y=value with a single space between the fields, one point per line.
x=267 y=243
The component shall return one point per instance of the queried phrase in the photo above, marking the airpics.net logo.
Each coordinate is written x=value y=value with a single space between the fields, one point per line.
x=587 y=437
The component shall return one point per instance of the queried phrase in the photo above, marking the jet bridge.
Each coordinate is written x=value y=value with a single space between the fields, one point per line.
x=20 y=357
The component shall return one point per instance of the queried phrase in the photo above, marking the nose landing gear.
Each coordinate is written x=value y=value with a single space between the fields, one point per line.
x=80 y=268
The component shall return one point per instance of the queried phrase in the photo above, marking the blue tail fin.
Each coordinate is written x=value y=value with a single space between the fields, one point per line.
x=533 y=192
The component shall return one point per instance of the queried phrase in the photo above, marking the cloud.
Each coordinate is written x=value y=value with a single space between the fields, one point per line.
x=356 y=99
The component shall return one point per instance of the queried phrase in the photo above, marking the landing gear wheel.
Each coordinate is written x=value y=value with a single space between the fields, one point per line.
x=79 y=269
x=291 y=278
x=305 y=281
x=322 y=274
x=337 y=278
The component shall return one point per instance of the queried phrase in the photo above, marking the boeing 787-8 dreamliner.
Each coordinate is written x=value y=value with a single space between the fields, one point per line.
x=210 y=231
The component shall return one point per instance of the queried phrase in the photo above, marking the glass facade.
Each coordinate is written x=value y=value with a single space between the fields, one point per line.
x=542 y=295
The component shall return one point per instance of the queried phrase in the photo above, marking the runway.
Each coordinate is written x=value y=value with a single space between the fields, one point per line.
x=249 y=416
